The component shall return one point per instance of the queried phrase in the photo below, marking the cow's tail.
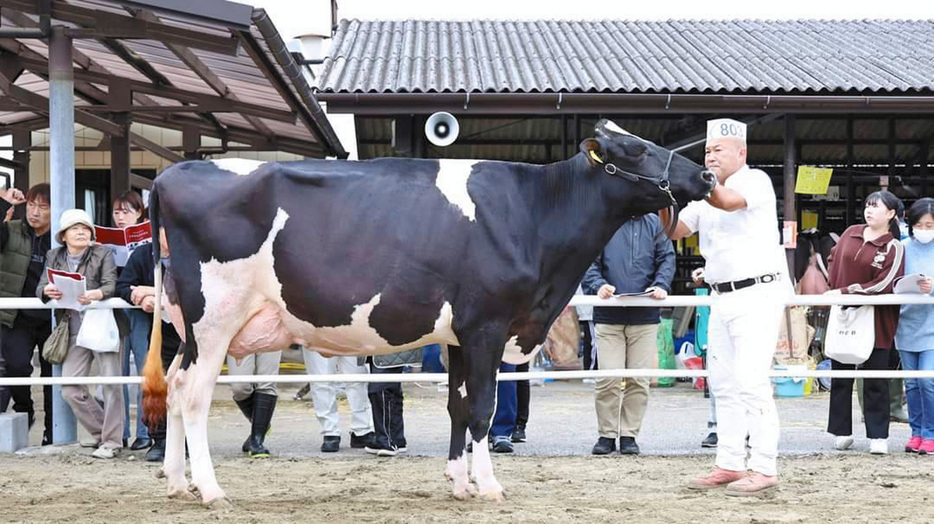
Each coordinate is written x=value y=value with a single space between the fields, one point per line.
x=155 y=388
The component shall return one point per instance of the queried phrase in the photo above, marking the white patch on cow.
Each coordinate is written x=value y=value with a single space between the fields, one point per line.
x=452 y=182
x=615 y=128
x=487 y=485
x=457 y=471
x=512 y=354
x=463 y=390
x=240 y=166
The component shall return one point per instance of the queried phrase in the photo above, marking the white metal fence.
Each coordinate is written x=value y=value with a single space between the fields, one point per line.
x=670 y=301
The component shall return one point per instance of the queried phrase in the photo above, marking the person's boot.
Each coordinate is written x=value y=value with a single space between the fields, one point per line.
x=157 y=452
x=897 y=412
x=263 y=407
x=246 y=407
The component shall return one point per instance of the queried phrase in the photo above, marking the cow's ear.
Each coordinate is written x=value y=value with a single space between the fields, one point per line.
x=594 y=152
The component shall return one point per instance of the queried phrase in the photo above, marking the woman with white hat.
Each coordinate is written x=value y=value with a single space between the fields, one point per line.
x=78 y=254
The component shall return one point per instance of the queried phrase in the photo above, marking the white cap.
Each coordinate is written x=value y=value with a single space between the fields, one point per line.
x=73 y=217
x=726 y=128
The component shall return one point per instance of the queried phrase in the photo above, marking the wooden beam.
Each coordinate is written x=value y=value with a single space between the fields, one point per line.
x=155 y=148
x=174 y=93
x=94 y=23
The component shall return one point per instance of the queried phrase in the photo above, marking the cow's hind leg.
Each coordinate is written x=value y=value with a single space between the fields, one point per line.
x=174 y=465
x=459 y=409
x=198 y=388
x=483 y=354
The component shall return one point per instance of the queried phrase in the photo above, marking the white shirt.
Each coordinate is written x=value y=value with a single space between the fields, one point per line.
x=743 y=243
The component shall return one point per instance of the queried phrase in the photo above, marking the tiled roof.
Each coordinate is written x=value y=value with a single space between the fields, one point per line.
x=738 y=56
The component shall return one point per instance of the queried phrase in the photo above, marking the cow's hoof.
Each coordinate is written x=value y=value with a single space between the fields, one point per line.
x=160 y=474
x=183 y=494
x=220 y=503
x=466 y=493
x=494 y=496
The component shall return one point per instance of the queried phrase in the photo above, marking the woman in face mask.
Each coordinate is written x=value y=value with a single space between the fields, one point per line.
x=915 y=335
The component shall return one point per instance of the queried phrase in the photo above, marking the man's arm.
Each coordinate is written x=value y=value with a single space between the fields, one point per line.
x=593 y=278
x=664 y=261
x=726 y=199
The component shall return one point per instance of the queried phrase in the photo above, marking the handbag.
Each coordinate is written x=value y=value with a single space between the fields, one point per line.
x=56 y=346
x=851 y=334
x=99 y=331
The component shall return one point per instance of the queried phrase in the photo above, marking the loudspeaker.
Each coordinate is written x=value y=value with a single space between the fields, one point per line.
x=441 y=129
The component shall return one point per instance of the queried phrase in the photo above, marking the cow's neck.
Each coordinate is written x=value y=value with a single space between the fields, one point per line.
x=579 y=221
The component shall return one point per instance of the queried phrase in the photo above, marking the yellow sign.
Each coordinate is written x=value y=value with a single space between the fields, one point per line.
x=813 y=180
x=808 y=220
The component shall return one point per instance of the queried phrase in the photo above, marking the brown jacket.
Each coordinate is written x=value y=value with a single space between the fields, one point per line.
x=869 y=268
x=97 y=266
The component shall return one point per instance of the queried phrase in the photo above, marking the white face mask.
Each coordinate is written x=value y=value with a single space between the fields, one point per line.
x=924 y=235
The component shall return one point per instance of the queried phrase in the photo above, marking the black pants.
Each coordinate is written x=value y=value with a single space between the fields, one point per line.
x=18 y=344
x=875 y=398
x=587 y=349
x=386 y=401
x=523 y=393
x=169 y=350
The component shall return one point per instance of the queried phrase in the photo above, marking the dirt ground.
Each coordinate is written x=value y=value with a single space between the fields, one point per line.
x=857 y=488
x=551 y=478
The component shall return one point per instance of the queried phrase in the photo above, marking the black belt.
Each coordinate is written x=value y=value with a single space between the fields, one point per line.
x=726 y=287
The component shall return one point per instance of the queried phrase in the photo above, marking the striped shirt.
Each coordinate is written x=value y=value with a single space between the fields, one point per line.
x=869 y=267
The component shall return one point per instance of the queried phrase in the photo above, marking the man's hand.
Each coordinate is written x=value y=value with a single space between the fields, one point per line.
x=13 y=196
x=149 y=304
x=140 y=292
x=926 y=285
x=698 y=276
x=52 y=292
x=833 y=292
x=606 y=291
x=657 y=293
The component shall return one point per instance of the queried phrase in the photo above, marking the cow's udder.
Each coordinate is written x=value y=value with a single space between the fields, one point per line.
x=263 y=332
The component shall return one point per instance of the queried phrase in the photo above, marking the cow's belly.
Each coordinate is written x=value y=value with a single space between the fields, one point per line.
x=273 y=328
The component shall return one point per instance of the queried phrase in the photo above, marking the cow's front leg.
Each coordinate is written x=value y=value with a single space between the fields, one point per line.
x=174 y=464
x=459 y=409
x=198 y=389
x=483 y=356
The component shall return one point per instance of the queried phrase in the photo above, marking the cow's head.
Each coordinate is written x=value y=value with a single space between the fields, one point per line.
x=650 y=176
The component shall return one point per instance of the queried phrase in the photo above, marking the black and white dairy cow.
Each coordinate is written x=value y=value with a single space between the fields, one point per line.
x=373 y=257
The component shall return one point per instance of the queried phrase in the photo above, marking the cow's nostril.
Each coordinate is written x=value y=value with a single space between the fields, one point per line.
x=708 y=176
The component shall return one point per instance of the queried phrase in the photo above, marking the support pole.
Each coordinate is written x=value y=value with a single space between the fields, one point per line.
x=789 y=191
x=22 y=140
x=62 y=159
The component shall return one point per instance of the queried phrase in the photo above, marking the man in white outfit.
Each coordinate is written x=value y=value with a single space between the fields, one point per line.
x=746 y=269
x=324 y=396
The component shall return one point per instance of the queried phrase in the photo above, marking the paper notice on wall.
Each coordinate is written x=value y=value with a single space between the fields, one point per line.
x=813 y=180
x=123 y=241
x=72 y=286
x=790 y=234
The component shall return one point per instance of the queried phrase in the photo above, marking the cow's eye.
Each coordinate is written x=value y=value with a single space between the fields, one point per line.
x=637 y=149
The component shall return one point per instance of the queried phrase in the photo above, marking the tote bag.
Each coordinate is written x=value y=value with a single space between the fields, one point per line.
x=851 y=333
x=99 y=331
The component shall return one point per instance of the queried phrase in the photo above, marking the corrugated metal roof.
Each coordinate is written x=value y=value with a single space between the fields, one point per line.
x=802 y=56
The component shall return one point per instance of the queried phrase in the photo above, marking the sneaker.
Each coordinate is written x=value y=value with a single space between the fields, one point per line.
x=842 y=442
x=331 y=444
x=518 y=435
x=141 y=444
x=361 y=441
x=926 y=447
x=157 y=452
x=710 y=441
x=717 y=478
x=752 y=485
x=90 y=443
x=879 y=446
x=380 y=452
x=502 y=445
x=913 y=444
x=628 y=446
x=604 y=446
x=106 y=451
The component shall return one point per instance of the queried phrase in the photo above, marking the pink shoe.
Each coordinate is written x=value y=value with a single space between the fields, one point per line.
x=718 y=478
x=912 y=445
x=754 y=484
x=926 y=447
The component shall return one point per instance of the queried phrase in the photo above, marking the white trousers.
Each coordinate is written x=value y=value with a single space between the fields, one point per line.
x=743 y=333
x=324 y=394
